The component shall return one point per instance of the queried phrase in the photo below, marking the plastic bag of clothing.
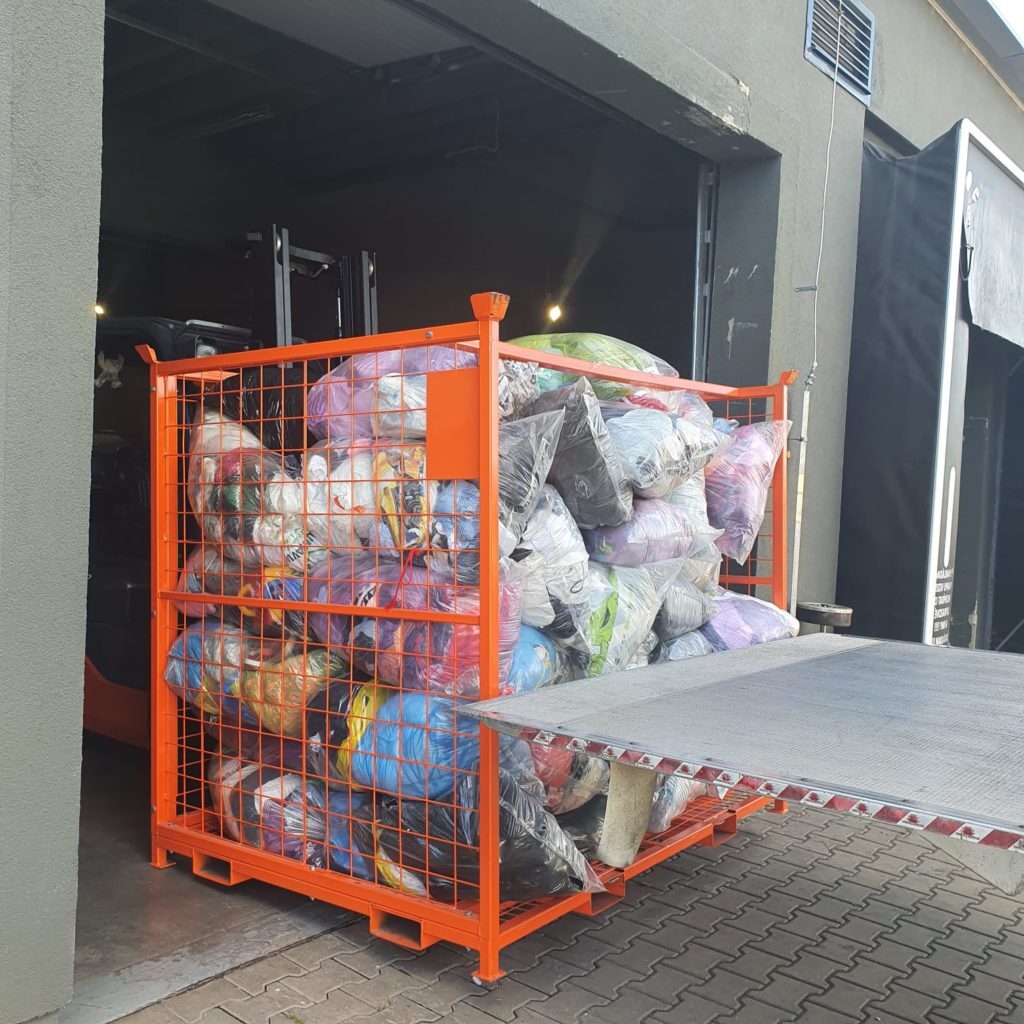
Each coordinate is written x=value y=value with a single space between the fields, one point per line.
x=657 y=530
x=585 y=824
x=346 y=809
x=556 y=569
x=737 y=484
x=684 y=609
x=675 y=402
x=382 y=394
x=340 y=497
x=277 y=692
x=271 y=402
x=586 y=469
x=212 y=433
x=270 y=808
x=525 y=450
x=414 y=653
x=743 y=621
x=336 y=719
x=658 y=451
x=642 y=655
x=431 y=849
x=570 y=778
x=416 y=745
x=689 y=645
x=536 y=661
x=377 y=393
x=690 y=499
x=205 y=662
x=624 y=603
x=247 y=499
x=672 y=796
x=207 y=573
x=594 y=348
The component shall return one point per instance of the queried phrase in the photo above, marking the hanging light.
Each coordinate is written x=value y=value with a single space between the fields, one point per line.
x=99 y=309
x=554 y=313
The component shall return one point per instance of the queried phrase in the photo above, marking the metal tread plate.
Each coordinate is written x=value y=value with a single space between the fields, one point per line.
x=927 y=737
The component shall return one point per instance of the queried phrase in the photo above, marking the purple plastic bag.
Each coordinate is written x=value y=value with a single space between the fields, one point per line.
x=737 y=482
x=742 y=621
x=656 y=530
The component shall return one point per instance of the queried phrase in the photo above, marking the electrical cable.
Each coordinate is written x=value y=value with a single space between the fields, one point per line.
x=805 y=412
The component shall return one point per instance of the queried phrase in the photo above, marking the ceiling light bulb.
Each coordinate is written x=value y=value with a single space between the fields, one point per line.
x=99 y=309
x=554 y=313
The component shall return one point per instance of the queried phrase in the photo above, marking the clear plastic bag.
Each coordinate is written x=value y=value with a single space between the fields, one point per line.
x=206 y=573
x=684 y=609
x=737 y=484
x=439 y=656
x=676 y=402
x=525 y=450
x=642 y=655
x=270 y=808
x=556 y=570
x=270 y=400
x=624 y=603
x=336 y=719
x=416 y=745
x=247 y=499
x=594 y=348
x=205 y=662
x=586 y=469
x=689 y=645
x=657 y=530
x=658 y=451
x=431 y=848
x=277 y=693
x=742 y=621
x=570 y=779
x=384 y=394
x=671 y=797
x=536 y=661
x=340 y=498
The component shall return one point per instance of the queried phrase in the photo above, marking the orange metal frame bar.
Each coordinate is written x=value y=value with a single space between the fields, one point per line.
x=480 y=927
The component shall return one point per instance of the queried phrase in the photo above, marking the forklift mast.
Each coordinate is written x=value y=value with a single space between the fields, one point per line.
x=273 y=259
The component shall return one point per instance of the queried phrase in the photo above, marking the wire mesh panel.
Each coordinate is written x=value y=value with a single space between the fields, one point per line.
x=347 y=549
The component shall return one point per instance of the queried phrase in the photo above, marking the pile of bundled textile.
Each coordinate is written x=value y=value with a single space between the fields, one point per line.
x=335 y=725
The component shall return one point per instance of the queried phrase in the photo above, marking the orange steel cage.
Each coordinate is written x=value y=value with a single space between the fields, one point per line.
x=264 y=661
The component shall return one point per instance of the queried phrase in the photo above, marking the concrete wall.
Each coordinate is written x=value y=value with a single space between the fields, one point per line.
x=729 y=80
x=50 y=102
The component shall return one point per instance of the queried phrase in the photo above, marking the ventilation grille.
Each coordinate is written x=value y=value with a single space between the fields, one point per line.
x=854 y=45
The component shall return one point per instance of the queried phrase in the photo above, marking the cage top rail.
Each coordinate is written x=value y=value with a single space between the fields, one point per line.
x=464 y=335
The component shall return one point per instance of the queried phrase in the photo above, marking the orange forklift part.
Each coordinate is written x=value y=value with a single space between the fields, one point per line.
x=259 y=660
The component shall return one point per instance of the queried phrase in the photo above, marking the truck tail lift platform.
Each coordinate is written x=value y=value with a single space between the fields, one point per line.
x=930 y=738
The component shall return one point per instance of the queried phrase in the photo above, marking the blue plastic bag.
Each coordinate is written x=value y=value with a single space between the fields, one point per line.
x=416 y=746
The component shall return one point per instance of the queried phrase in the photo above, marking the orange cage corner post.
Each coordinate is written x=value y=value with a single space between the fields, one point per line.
x=224 y=456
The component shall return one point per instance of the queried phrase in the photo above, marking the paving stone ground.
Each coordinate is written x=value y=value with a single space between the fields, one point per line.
x=809 y=917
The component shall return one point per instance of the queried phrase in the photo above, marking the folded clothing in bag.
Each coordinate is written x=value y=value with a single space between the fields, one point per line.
x=684 y=609
x=586 y=470
x=624 y=602
x=737 y=484
x=658 y=451
x=556 y=570
x=689 y=645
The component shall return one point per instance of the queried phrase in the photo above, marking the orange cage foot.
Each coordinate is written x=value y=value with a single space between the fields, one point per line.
x=779 y=807
x=488 y=974
x=159 y=857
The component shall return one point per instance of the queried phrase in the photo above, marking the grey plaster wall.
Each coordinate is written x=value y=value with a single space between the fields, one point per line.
x=729 y=80
x=50 y=104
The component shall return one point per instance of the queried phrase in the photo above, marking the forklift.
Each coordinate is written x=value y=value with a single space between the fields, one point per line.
x=117 y=646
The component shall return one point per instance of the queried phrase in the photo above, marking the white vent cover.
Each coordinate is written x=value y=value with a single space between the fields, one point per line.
x=843 y=31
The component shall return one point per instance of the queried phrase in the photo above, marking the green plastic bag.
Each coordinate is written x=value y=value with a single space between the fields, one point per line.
x=595 y=348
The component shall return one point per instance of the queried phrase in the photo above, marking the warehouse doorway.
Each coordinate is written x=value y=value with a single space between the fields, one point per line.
x=361 y=128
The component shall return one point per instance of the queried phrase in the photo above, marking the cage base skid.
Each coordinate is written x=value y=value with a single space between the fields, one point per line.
x=416 y=923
